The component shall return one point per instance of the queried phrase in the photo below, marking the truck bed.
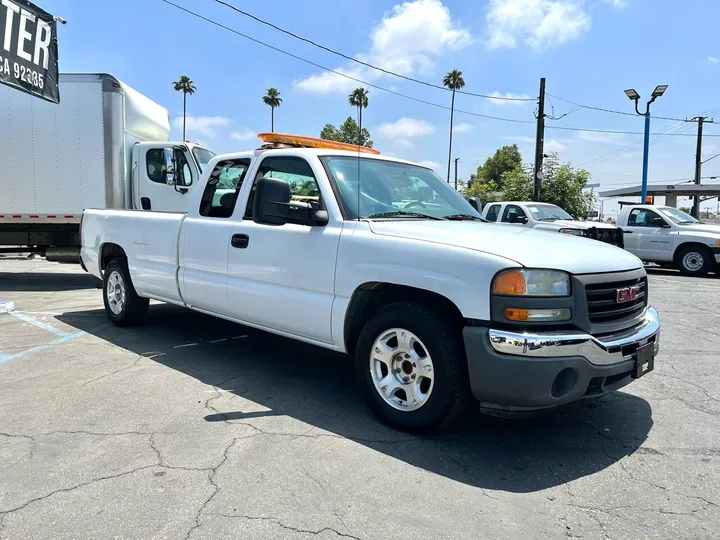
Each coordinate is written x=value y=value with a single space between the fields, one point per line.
x=150 y=241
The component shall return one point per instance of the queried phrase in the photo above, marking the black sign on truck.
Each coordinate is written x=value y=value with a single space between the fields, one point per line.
x=28 y=49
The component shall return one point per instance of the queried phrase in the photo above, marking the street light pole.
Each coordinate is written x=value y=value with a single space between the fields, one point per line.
x=456 y=160
x=634 y=96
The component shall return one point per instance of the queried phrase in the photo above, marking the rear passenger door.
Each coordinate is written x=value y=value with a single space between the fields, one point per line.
x=283 y=277
x=206 y=236
x=492 y=212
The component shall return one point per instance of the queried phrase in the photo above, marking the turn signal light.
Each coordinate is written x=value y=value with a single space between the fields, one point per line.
x=538 y=315
x=512 y=282
x=516 y=314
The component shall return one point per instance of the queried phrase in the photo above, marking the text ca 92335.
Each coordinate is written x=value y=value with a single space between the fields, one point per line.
x=21 y=73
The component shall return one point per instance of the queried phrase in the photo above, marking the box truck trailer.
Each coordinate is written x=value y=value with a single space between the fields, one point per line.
x=104 y=146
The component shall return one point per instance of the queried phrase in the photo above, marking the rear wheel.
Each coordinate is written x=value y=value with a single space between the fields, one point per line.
x=411 y=366
x=122 y=304
x=694 y=260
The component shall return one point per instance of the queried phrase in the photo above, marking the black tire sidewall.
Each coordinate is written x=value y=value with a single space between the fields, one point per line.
x=115 y=266
x=708 y=261
x=447 y=355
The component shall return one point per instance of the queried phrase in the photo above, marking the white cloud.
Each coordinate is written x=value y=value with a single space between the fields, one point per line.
x=601 y=138
x=430 y=164
x=508 y=101
x=520 y=139
x=405 y=128
x=204 y=125
x=405 y=41
x=712 y=60
x=618 y=4
x=541 y=24
x=404 y=143
x=243 y=135
x=554 y=145
x=462 y=127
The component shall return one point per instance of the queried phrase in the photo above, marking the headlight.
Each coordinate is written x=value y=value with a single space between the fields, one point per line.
x=574 y=232
x=525 y=282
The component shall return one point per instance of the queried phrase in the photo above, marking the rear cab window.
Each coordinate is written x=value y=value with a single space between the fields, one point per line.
x=221 y=192
x=493 y=212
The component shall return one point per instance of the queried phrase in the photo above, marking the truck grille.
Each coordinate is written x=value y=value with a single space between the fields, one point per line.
x=609 y=236
x=602 y=300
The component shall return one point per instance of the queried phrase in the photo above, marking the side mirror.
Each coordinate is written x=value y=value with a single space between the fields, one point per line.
x=660 y=222
x=513 y=218
x=522 y=219
x=473 y=203
x=272 y=201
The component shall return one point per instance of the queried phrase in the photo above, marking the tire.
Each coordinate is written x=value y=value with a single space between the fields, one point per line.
x=442 y=393
x=122 y=304
x=694 y=260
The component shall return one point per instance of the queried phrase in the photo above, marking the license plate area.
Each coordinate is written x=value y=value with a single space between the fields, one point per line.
x=644 y=360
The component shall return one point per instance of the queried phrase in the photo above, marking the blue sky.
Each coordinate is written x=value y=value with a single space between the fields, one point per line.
x=589 y=51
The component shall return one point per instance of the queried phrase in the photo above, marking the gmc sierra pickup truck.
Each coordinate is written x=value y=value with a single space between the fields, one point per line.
x=671 y=238
x=379 y=258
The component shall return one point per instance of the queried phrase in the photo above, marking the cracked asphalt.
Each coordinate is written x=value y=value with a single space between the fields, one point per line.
x=196 y=428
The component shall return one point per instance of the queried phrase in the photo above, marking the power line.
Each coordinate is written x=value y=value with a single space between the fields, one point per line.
x=619 y=131
x=624 y=113
x=366 y=64
x=220 y=25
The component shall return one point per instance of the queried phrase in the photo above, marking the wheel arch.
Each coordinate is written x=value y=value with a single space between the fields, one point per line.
x=690 y=244
x=373 y=295
x=108 y=252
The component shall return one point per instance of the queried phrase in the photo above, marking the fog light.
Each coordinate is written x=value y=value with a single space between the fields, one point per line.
x=537 y=315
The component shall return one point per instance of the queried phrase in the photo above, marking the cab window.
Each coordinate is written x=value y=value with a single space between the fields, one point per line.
x=514 y=214
x=642 y=217
x=156 y=166
x=223 y=186
x=298 y=174
x=492 y=213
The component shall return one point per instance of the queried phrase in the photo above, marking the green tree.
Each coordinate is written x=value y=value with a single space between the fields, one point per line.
x=685 y=209
x=505 y=159
x=454 y=81
x=272 y=99
x=485 y=191
x=185 y=85
x=359 y=99
x=561 y=185
x=348 y=132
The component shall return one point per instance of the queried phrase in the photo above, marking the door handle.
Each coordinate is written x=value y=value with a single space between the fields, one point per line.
x=627 y=232
x=240 y=241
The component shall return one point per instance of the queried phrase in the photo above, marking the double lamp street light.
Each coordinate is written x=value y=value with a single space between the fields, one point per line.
x=633 y=95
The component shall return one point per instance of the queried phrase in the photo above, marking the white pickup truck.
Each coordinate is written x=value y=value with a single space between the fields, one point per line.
x=670 y=237
x=550 y=217
x=379 y=258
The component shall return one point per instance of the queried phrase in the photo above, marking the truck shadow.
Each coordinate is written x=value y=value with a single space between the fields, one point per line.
x=316 y=387
x=46 y=281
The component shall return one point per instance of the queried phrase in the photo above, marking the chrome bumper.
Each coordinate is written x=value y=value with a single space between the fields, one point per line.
x=607 y=350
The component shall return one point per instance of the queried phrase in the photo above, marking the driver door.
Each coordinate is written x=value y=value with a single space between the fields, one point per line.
x=515 y=215
x=645 y=239
x=153 y=169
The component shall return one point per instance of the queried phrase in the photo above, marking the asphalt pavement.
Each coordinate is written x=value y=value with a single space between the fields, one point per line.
x=192 y=427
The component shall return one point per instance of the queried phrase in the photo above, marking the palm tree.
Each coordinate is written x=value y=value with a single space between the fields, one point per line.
x=272 y=99
x=184 y=84
x=453 y=81
x=359 y=99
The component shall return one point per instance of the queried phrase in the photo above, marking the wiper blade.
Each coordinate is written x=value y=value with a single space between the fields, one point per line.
x=465 y=217
x=548 y=219
x=404 y=213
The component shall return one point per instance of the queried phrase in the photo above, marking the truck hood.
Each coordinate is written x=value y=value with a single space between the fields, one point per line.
x=527 y=247
x=703 y=228
x=572 y=224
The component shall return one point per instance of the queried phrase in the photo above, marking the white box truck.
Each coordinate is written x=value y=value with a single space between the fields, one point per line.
x=104 y=146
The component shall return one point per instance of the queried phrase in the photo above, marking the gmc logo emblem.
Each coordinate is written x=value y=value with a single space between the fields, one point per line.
x=628 y=294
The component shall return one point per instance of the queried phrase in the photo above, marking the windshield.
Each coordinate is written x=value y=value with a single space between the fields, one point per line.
x=202 y=156
x=678 y=216
x=388 y=186
x=547 y=212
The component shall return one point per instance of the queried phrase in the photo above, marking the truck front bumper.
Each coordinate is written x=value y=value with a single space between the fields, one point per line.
x=523 y=372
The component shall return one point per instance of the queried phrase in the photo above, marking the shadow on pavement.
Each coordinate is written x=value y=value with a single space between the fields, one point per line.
x=671 y=272
x=316 y=386
x=46 y=281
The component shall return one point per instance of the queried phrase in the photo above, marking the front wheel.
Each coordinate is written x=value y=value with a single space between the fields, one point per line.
x=122 y=304
x=411 y=366
x=694 y=261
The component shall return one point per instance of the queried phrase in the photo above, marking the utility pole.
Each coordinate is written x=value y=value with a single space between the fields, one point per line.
x=539 y=140
x=698 y=166
x=456 y=160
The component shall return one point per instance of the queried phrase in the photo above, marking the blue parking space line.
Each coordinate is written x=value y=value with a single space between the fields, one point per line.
x=66 y=337
x=35 y=322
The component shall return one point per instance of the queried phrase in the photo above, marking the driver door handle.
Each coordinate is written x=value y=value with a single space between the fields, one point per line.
x=240 y=241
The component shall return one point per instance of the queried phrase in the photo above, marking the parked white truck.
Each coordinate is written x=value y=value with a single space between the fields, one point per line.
x=670 y=237
x=104 y=146
x=550 y=217
x=381 y=259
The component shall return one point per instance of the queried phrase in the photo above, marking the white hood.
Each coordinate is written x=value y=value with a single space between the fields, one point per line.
x=702 y=228
x=572 y=224
x=528 y=247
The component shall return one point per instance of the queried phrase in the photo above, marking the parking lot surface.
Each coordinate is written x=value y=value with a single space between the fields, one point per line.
x=192 y=427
